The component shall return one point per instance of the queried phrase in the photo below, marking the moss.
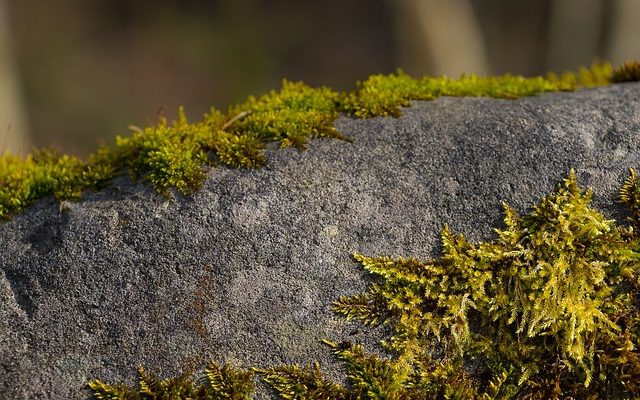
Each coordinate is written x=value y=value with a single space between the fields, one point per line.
x=551 y=305
x=627 y=72
x=218 y=384
x=293 y=382
x=630 y=196
x=549 y=309
x=176 y=155
x=384 y=95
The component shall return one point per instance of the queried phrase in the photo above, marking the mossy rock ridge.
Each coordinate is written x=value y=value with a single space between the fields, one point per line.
x=245 y=270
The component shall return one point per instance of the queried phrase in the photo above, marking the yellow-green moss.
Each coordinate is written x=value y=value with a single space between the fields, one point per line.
x=217 y=384
x=549 y=309
x=176 y=155
x=550 y=305
x=384 y=95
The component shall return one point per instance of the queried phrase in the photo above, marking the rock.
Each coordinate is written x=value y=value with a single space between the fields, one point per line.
x=244 y=271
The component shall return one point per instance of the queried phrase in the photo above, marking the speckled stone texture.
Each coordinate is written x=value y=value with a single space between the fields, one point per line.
x=245 y=270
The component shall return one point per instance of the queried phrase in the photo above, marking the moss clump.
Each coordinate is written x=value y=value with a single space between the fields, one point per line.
x=549 y=309
x=218 y=383
x=165 y=155
x=44 y=173
x=627 y=72
x=291 y=116
x=176 y=155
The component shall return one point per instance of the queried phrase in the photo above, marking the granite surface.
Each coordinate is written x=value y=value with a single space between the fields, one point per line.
x=244 y=271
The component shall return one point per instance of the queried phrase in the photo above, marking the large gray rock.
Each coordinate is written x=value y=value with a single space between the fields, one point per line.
x=244 y=271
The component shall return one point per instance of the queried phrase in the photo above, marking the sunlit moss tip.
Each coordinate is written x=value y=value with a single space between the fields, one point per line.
x=176 y=156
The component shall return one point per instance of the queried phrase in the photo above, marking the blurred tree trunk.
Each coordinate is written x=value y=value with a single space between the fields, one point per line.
x=575 y=33
x=13 y=125
x=439 y=37
x=624 y=39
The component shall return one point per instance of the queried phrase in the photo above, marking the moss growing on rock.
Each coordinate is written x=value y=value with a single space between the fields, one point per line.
x=384 y=95
x=551 y=306
x=627 y=72
x=549 y=309
x=176 y=155
x=218 y=383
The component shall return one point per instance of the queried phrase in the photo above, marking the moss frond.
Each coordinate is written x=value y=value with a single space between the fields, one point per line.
x=167 y=155
x=103 y=391
x=497 y=388
x=630 y=196
x=295 y=383
x=359 y=307
x=370 y=376
x=226 y=383
x=149 y=384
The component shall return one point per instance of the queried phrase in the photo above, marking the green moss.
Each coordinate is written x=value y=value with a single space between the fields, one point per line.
x=165 y=155
x=226 y=383
x=40 y=174
x=630 y=196
x=293 y=382
x=384 y=95
x=291 y=117
x=177 y=155
x=549 y=309
x=551 y=305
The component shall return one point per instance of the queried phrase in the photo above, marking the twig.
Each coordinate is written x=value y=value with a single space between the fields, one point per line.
x=237 y=117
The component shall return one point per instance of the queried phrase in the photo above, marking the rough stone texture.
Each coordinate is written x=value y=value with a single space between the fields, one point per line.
x=244 y=271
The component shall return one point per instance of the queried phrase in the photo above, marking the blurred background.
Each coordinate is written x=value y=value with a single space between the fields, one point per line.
x=75 y=73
